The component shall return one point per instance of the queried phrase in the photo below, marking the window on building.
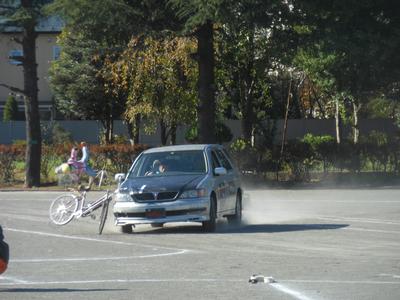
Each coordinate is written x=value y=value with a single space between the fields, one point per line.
x=56 y=52
x=13 y=55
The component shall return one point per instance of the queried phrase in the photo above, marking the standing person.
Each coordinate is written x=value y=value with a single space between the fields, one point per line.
x=85 y=161
x=4 y=253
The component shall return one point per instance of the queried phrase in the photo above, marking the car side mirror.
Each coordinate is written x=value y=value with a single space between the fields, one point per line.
x=119 y=177
x=220 y=171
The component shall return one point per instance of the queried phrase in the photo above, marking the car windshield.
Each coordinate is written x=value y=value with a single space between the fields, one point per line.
x=169 y=163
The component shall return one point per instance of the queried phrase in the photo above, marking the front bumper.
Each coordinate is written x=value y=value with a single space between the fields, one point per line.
x=181 y=210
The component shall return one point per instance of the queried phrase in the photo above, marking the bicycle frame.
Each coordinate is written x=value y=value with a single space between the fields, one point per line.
x=83 y=210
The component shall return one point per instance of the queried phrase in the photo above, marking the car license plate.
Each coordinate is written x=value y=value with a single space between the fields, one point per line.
x=155 y=213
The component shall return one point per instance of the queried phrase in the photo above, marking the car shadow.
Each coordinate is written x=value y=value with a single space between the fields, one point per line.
x=54 y=290
x=276 y=228
x=251 y=228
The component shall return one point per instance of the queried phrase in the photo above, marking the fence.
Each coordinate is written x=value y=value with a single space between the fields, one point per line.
x=91 y=130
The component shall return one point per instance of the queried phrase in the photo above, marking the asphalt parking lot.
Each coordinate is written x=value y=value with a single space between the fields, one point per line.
x=315 y=244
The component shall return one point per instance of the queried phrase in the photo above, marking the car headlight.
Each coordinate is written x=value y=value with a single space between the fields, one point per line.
x=123 y=198
x=198 y=193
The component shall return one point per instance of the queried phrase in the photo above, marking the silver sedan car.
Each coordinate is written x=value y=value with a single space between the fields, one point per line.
x=185 y=183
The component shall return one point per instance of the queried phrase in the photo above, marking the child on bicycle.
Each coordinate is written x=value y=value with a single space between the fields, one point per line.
x=73 y=162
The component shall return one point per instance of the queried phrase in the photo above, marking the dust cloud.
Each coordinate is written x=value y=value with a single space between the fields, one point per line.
x=273 y=206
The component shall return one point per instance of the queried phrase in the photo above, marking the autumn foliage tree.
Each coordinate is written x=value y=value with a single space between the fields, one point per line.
x=159 y=79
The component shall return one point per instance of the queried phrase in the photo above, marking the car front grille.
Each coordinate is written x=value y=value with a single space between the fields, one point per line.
x=161 y=196
x=143 y=196
x=166 y=195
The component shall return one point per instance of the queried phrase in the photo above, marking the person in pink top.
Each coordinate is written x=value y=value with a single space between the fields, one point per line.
x=73 y=162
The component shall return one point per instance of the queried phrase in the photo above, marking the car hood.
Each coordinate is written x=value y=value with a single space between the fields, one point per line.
x=162 y=183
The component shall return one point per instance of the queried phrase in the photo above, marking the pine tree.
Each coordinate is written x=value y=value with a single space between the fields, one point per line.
x=10 y=109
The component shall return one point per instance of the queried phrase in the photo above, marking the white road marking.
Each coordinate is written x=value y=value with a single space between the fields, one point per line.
x=36 y=260
x=13 y=279
x=120 y=281
x=360 y=220
x=24 y=217
x=370 y=230
x=377 y=282
x=286 y=290
x=176 y=250
x=390 y=275
x=350 y=282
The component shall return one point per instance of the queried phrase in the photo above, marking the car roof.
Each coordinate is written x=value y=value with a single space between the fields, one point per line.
x=181 y=148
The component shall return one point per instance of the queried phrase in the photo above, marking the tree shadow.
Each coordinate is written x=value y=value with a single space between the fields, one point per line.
x=54 y=290
x=251 y=228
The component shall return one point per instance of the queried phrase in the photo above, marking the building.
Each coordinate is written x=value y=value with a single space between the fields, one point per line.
x=11 y=74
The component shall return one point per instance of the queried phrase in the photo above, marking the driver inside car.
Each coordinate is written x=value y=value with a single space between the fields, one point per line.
x=157 y=168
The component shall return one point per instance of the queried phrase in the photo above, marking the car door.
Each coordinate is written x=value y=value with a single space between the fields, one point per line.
x=230 y=184
x=219 y=183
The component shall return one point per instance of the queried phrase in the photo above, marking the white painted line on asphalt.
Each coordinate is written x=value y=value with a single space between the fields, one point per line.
x=37 y=260
x=359 y=220
x=23 y=282
x=376 y=282
x=177 y=250
x=286 y=290
x=13 y=280
x=121 y=281
x=370 y=230
x=390 y=275
x=24 y=217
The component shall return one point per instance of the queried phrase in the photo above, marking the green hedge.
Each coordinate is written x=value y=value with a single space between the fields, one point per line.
x=374 y=153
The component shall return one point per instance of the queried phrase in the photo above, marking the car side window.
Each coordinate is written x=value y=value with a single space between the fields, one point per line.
x=225 y=162
x=214 y=160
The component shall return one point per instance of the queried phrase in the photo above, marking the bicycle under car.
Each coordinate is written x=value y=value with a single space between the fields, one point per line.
x=72 y=205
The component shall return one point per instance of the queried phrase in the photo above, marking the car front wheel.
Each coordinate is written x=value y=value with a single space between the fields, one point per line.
x=211 y=224
x=126 y=229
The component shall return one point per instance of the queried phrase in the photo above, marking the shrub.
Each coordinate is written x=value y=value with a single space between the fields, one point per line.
x=50 y=160
x=54 y=133
x=298 y=157
x=322 y=149
x=8 y=158
x=60 y=135
x=115 y=158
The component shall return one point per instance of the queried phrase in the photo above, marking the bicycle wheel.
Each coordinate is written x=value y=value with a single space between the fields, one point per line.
x=103 y=216
x=62 y=209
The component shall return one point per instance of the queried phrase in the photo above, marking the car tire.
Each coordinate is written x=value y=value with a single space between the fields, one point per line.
x=126 y=229
x=236 y=219
x=211 y=224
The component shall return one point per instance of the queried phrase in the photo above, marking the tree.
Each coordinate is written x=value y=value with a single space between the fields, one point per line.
x=364 y=36
x=78 y=84
x=248 y=49
x=25 y=14
x=95 y=31
x=158 y=77
x=322 y=83
x=10 y=109
x=103 y=27
x=199 y=18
